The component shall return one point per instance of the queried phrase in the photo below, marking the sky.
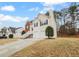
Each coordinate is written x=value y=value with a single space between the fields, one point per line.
x=16 y=14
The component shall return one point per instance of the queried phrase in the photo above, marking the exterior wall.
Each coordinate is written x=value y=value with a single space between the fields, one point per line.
x=52 y=23
x=36 y=29
x=39 y=31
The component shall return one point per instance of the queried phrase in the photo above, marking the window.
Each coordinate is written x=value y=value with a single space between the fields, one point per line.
x=44 y=23
x=41 y=23
x=32 y=29
x=35 y=24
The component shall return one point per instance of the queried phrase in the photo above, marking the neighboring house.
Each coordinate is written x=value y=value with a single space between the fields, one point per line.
x=3 y=31
x=18 y=32
x=40 y=23
x=11 y=30
x=28 y=26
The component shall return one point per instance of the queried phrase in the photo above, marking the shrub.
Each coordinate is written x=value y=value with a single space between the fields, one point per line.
x=11 y=36
x=49 y=32
x=23 y=32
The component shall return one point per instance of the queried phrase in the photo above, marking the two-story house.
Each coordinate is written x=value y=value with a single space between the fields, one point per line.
x=40 y=23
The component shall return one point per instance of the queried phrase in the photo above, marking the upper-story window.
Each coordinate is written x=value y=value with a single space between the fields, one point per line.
x=41 y=23
x=35 y=24
x=44 y=23
x=32 y=29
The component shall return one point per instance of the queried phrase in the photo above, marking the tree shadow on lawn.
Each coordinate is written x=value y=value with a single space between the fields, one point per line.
x=49 y=38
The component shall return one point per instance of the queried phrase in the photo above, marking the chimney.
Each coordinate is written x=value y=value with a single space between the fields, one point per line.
x=52 y=22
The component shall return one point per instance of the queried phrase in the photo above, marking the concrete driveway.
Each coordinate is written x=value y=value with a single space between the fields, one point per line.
x=9 y=49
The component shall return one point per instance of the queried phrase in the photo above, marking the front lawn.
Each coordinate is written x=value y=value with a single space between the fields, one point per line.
x=6 y=41
x=52 y=47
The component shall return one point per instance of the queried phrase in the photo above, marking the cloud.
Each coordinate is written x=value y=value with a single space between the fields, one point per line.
x=7 y=8
x=12 y=18
x=48 y=5
x=0 y=24
x=44 y=10
x=21 y=19
x=34 y=9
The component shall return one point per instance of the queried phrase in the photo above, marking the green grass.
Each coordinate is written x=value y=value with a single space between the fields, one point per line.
x=52 y=47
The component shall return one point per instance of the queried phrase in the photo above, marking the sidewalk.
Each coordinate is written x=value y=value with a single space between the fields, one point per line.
x=9 y=49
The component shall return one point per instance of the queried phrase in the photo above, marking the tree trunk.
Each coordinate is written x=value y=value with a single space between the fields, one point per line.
x=48 y=37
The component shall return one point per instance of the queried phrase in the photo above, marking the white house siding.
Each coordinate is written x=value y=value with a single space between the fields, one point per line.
x=39 y=31
x=52 y=23
x=36 y=30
